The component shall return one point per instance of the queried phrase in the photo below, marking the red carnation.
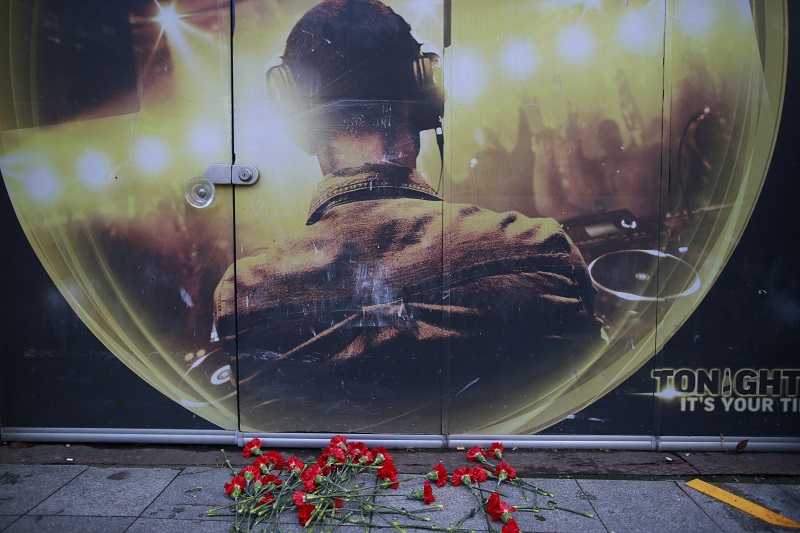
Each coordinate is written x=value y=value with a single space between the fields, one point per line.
x=250 y=472
x=266 y=500
x=462 y=476
x=388 y=472
x=339 y=441
x=496 y=450
x=510 y=527
x=357 y=451
x=366 y=457
x=338 y=453
x=381 y=454
x=331 y=456
x=271 y=478
x=498 y=509
x=479 y=474
x=427 y=493
x=295 y=465
x=304 y=512
x=274 y=460
x=438 y=474
x=311 y=477
x=505 y=471
x=476 y=454
x=252 y=448
x=262 y=464
x=299 y=498
x=235 y=487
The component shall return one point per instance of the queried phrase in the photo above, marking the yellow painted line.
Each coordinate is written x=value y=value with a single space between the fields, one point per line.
x=740 y=503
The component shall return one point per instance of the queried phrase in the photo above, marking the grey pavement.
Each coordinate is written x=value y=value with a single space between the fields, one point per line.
x=625 y=491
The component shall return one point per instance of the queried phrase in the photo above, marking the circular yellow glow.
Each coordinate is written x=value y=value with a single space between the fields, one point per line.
x=151 y=155
x=642 y=30
x=467 y=79
x=43 y=183
x=94 y=168
x=519 y=58
x=577 y=44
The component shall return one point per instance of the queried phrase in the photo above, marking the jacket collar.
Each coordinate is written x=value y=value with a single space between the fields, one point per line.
x=368 y=182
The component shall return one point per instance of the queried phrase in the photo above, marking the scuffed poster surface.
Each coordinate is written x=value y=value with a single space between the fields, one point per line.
x=595 y=166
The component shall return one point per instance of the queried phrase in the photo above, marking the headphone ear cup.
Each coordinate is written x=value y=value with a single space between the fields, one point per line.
x=281 y=85
x=282 y=92
x=428 y=79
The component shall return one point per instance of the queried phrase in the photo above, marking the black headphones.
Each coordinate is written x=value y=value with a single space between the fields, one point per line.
x=427 y=106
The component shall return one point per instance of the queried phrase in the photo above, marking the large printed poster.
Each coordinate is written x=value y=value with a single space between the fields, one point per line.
x=468 y=218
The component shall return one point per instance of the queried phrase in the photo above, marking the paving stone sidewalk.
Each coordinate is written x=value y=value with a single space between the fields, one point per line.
x=85 y=498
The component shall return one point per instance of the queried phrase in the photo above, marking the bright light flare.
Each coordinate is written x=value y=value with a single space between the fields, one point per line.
x=577 y=44
x=467 y=79
x=519 y=58
x=94 y=169
x=43 y=183
x=668 y=394
x=173 y=26
x=151 y=155
x=641 y=30
x=168 y=18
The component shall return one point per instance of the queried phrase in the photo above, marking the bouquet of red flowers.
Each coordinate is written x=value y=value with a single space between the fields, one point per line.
x=333 y=490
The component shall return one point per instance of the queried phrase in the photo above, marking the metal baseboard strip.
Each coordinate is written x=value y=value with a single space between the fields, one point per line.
x=119 y=436
x=573 y=442
x=320 y=440
x=729 y=443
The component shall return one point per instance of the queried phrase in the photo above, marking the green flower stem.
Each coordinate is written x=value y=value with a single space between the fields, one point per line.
x=228 y=462
x=471 y=514
x=528 y=509
x=481 y=489
x=392 y=523
x=487 y=463
x=436 y=528
x=524 y=484
x=213 y=511
x=552 y=505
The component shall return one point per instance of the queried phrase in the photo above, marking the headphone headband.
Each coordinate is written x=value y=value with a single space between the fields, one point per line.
x=427 y=102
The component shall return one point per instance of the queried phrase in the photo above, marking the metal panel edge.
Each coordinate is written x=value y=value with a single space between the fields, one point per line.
x=320 y=440
x=120 y=436
x=580 y=442
x=729 y=443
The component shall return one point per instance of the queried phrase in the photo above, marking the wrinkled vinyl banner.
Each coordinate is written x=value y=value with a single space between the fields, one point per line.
x=593 y=169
